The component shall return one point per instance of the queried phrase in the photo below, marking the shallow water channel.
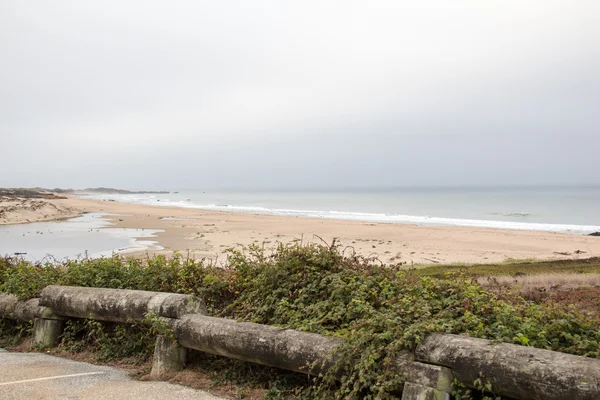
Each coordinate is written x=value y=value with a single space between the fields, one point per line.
x=73 y=238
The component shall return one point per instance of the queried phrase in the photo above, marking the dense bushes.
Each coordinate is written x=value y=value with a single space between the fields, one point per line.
x=379 y=309
x=175 y=274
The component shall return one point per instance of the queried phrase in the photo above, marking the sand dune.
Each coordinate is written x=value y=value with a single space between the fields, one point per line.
x=17 y=209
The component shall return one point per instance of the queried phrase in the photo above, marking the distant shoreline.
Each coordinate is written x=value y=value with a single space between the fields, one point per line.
x=105 y=190
x=209 y=233
x=339 y=207
x=41 y=192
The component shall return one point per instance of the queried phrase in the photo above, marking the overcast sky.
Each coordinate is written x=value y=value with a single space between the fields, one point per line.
x=194 y=94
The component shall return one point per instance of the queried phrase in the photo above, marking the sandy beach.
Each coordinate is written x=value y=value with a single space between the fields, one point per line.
x=203 y=233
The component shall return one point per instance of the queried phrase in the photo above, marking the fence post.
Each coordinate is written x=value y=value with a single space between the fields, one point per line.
x=46 y=332
x=414 y=391
x=169 y=356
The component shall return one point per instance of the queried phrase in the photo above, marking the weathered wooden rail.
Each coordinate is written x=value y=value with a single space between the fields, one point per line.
x=515 y=371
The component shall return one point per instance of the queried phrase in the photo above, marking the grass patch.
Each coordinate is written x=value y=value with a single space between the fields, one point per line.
x=512 y=268
x=549 y=281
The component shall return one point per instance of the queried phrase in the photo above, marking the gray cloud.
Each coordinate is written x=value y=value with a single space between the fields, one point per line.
x=341 y=93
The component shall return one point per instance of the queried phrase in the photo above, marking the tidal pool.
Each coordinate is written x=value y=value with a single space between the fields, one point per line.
x=89 y=235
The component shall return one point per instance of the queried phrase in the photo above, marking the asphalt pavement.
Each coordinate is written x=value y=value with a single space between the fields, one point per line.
x=38 y=376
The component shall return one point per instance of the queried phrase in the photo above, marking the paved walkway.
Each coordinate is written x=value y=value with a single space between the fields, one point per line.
x=40 y=376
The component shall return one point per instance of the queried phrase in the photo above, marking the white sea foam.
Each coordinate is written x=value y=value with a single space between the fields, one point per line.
x=366 y=216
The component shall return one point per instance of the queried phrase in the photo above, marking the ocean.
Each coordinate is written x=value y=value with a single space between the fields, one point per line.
x=555 y=209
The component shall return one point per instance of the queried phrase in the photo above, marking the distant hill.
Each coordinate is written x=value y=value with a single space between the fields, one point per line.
x=43 y=193
x=23 y=193
x=119 y=191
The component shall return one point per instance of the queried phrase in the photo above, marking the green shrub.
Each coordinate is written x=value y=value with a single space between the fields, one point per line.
x=13 y=333
x=108 y=341
x=25 y=279
x=380 y=310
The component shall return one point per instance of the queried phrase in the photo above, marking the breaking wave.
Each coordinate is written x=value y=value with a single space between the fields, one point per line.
x=364 y=216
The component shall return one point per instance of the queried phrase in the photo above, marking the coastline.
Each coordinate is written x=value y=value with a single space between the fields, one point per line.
x=536 y=209
x=208 y=233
